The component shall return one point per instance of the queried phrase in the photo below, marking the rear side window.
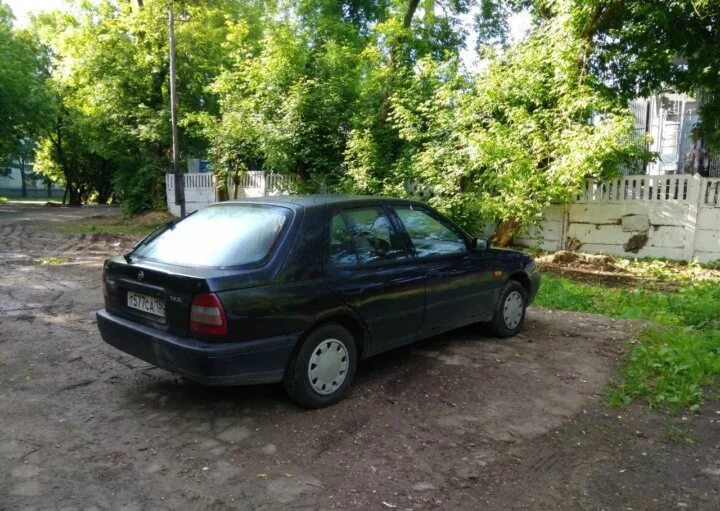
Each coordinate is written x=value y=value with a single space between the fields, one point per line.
x=429 y=235
x=342 y=249
x=373 y=236
x=218 y=236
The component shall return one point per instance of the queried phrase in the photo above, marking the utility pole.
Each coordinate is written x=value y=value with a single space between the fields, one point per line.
x=179 y=180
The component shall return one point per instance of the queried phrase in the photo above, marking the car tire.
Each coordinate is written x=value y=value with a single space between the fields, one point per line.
x=323 y=367
x=509 y=314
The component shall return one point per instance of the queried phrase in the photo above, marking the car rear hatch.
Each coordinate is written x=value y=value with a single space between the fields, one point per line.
x=150 y=294
x=220 y=248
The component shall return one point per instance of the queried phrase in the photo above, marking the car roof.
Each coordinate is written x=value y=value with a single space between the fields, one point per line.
x=309 y=201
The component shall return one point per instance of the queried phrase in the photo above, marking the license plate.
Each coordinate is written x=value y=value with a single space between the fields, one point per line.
x=147 y=304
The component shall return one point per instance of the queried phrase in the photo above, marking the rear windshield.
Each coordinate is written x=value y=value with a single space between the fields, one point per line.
x=218 y=236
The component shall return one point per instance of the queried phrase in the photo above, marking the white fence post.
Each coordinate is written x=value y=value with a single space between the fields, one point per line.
x=694 y=185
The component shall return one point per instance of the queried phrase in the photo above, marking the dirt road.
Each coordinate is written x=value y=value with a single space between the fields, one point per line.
x=462 y=421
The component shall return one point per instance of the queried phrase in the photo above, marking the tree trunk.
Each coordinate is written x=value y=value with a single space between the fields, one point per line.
x=75 y=196
x=104 y=195
x=410 y=12
x=395 y=51
x=236 y=185
x=602 y=14
x=23 y=180
x=505 y=232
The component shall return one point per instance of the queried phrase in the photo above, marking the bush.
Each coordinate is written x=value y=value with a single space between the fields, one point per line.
x=141 y=190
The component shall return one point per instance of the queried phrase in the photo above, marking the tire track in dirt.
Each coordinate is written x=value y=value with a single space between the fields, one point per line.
x=24 y=242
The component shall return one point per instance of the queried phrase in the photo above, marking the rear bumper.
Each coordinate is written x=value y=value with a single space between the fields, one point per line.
x=244 y=363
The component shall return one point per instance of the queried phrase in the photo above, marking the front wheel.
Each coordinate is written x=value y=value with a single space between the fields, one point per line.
x=510 y=311
x=323 y=368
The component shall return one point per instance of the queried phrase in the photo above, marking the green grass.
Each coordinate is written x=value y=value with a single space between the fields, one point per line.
x=676 y=357
x=51 y=261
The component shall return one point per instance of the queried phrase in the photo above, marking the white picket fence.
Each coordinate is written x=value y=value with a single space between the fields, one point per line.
x=636 y=188
x=682 y=188
x=710 y=192
x=201 y=189
x=254 y=183
x=677 y=217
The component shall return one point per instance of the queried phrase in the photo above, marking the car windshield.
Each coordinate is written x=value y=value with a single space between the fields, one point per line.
x=219 y=236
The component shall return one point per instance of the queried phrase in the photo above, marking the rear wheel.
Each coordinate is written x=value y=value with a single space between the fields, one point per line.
x=510 y=311
x=323 y=368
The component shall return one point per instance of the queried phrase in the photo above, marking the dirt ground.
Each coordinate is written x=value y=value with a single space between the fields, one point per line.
x=461 y=421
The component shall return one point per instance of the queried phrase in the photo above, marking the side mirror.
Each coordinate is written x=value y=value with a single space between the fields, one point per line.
x=479 y=244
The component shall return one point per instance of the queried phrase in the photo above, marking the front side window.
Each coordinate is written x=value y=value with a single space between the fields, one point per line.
x=219 y=236
x=374 y=238
x=429 y=236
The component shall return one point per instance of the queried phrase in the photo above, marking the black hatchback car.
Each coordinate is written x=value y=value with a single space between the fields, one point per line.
x=299 y=288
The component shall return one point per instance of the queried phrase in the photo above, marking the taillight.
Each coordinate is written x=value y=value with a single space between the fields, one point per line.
x=207 y=315
x=106 y=293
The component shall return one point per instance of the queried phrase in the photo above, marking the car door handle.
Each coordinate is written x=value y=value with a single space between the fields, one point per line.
x=441 y=274
x=359 y=290
x=407 y=280
x=352 y=292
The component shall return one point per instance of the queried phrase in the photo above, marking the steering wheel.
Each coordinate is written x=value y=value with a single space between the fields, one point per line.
x=379 y=245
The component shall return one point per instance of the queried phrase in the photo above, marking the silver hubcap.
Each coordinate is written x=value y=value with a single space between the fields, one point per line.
x=513 y=309
x=328 y=366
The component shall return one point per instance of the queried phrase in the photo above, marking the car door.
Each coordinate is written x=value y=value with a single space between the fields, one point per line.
x=369 y=265
x=459 y=280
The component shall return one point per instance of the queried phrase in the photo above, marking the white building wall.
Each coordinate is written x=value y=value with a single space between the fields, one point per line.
x=668 y=119
x=12 y=184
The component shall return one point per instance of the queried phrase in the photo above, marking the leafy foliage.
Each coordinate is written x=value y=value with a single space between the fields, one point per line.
x=502 y=145
x=109 y=74
x=23 y=99
x=286 y=98
x=641 y=47
x=354 y=95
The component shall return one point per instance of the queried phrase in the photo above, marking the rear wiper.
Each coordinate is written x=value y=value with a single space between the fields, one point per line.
x=157 y=231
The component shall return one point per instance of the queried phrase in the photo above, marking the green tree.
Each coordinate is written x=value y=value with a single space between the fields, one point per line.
x=23 y=97
x=502 y=145
x=360 y=95
x=288 y=97
x=643 y=47
x=109 y=72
